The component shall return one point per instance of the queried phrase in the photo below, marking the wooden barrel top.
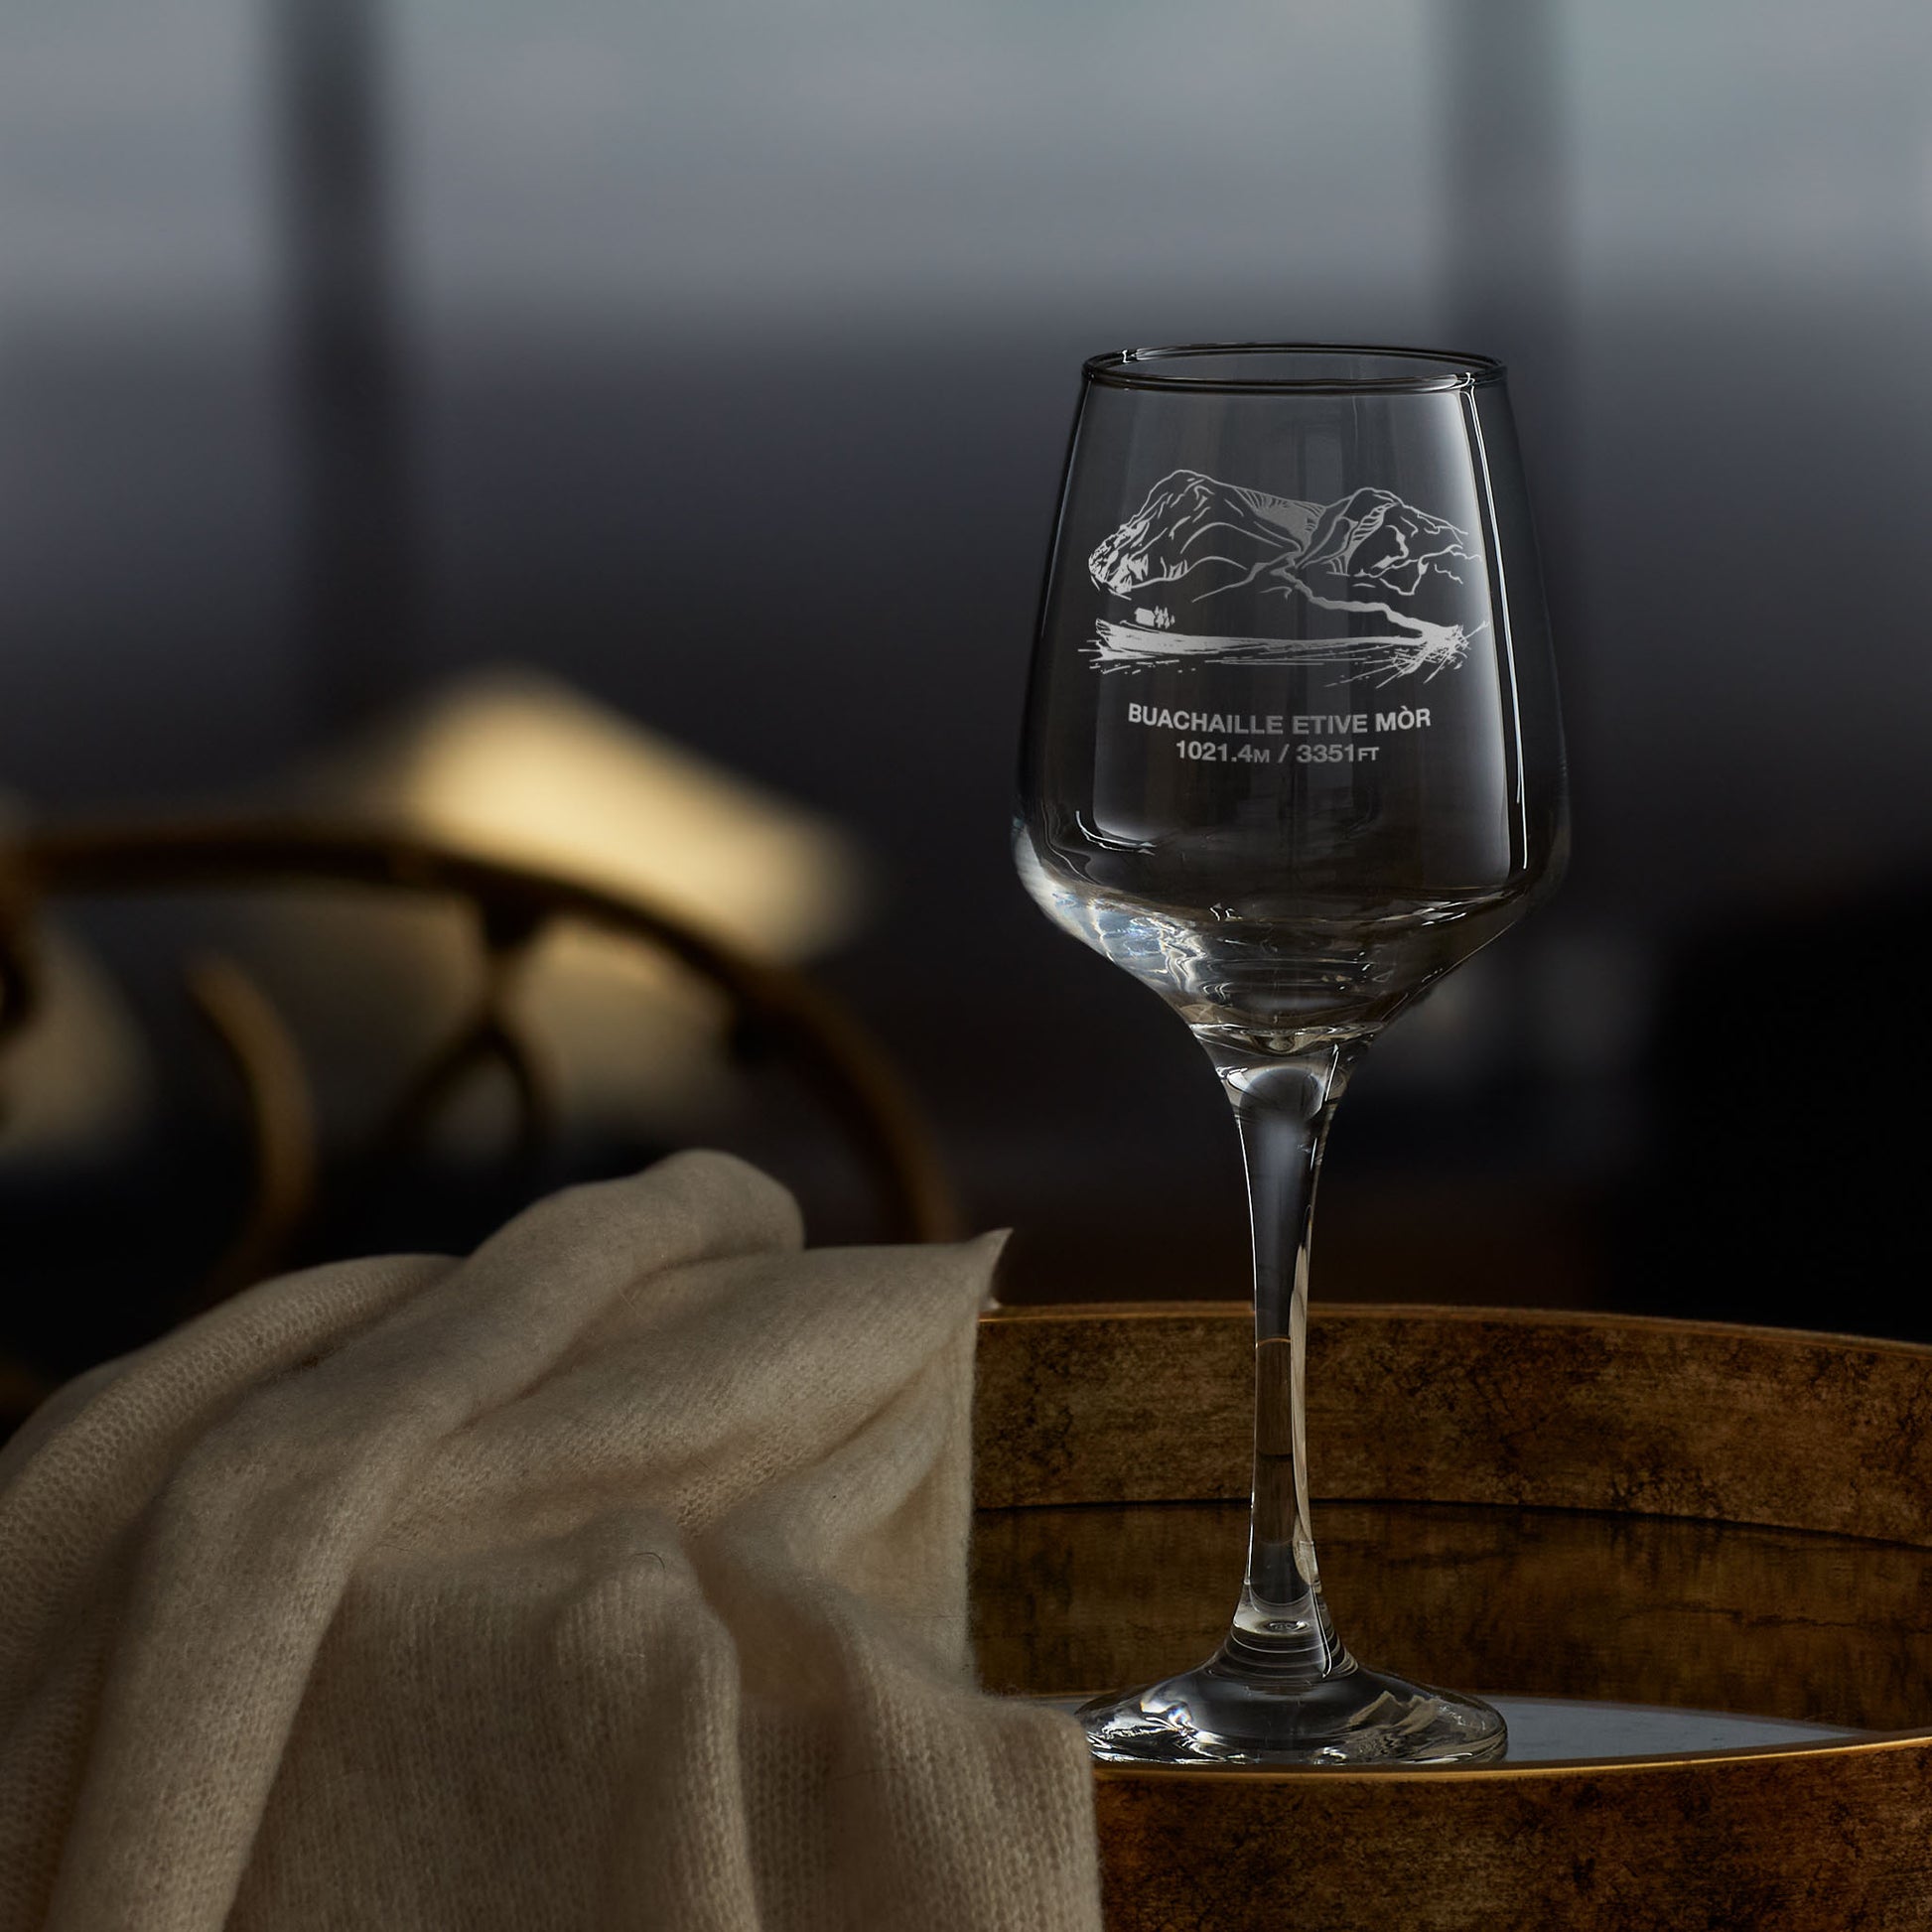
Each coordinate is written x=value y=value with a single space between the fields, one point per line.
x=1559 y=1505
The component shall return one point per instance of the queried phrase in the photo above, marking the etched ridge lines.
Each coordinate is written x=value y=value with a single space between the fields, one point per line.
x=1196 y=538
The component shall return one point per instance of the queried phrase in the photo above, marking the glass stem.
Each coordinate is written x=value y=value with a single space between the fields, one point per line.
x=1283 y=1104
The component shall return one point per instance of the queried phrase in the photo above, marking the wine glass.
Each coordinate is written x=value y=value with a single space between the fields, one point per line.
x=1292 y=754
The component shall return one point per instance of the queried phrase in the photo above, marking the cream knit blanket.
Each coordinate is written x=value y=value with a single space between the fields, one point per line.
x=612 y=1577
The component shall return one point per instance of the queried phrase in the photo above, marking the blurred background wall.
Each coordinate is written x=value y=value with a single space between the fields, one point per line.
x=717 y=361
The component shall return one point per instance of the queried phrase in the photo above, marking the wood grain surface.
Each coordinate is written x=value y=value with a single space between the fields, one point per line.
x=1542 y=1504
x=1771 y=1843
x=1626 y=1610
x=1470 y=1406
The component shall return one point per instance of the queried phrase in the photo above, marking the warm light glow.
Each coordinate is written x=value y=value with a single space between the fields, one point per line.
x=80 y=1076
x=519 y=768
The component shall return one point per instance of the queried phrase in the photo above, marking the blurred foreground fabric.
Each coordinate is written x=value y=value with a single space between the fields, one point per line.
x=613 y=1576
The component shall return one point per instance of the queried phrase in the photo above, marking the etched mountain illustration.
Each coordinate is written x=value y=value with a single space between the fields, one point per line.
x=1374 y=540
x=1203 y=534
x=1196 y=539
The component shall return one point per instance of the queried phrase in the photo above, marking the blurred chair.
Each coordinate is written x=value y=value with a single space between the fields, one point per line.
x=511 y=908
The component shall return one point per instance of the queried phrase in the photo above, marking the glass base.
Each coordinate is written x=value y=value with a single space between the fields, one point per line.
x=1221 y=1714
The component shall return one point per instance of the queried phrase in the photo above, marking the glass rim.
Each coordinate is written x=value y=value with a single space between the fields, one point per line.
x=1435 y=369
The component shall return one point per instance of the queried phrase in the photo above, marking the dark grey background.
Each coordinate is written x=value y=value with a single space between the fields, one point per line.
x=718 y=359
